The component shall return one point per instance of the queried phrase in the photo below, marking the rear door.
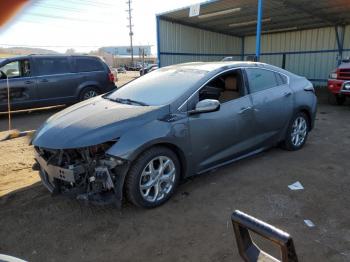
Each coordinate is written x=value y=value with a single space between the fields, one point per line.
x=22 y=85
x=272 y=102
x=56 y=81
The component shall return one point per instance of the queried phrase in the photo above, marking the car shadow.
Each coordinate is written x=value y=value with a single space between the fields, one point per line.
x=37 y=195
x=49 y=224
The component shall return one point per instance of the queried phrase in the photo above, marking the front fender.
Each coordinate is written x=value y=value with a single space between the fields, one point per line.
x=135 y=141
x=138 y=139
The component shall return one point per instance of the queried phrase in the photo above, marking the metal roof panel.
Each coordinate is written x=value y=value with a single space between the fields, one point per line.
x=279 y=15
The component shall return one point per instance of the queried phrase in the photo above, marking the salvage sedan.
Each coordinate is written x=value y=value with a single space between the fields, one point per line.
x=178 y=121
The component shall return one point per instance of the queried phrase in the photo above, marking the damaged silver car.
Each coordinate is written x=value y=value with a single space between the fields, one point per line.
x=142 y=139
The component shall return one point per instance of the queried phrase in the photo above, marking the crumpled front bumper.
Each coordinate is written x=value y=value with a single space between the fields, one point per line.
x=48 y=173
x=53 y=176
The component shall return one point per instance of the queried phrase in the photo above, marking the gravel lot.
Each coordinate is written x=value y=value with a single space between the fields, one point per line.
x=195 y=224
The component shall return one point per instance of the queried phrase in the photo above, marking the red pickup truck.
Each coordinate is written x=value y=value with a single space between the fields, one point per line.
x=339 y=82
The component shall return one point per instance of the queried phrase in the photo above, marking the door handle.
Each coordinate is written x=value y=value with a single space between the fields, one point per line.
x=44 y=80
x=286 y=94
x=28 y=82
x=244 y=109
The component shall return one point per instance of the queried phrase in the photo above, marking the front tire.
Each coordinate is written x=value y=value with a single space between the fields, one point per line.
x=340 y=100
x=297 y=132
x=153 y=178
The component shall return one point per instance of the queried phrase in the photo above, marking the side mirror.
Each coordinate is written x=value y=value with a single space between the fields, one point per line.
x=205 y=106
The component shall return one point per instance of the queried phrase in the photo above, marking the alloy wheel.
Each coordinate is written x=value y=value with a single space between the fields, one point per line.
x=299 y=131
x=157 y=179
x=90 y=94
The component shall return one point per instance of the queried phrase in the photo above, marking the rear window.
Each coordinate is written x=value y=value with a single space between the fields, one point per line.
x=52 y=65
x=281 y=79
x=260 y=79
x=284 y=79
x=88 y=64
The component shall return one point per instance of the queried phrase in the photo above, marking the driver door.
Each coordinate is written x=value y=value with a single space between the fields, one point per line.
x=218 y=137
x=21 y=84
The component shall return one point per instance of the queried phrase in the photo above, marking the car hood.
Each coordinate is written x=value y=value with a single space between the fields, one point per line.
x=93 y=122
x=344 y=65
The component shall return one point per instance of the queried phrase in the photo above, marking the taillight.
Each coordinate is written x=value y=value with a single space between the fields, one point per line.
x=111 y=77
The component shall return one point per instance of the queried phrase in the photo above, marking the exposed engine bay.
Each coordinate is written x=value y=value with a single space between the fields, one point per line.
x=84 y=173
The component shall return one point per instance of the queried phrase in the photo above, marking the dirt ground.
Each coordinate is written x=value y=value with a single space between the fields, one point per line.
x=195 y=224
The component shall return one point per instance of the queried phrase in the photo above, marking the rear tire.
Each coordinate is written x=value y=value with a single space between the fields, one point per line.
x=153 y=177
x=88 y=92
x=297 y=132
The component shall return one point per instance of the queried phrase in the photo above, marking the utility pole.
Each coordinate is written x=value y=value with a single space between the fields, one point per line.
x=143 y=60
x=130 y=31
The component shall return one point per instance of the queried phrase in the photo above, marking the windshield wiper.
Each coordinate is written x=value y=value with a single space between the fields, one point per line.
x=128 y=101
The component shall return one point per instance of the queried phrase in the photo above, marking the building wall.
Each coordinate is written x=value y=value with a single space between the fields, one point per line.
x=347 y=42
x=179 y=43
x=312 y=53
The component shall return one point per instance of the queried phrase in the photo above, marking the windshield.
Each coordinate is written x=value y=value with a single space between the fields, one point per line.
x=159 y=87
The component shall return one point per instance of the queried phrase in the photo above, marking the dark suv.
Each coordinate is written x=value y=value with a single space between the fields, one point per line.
x=45 y=80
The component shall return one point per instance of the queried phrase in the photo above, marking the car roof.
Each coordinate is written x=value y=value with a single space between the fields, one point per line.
x=210 y=66
x=222 y=65
x=46 y=55
x=344 y=65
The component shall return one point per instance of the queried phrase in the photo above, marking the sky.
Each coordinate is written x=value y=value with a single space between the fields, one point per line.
x=86 y=24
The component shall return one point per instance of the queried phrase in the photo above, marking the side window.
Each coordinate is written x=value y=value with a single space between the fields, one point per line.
x=284 y=79
x=16 y=69
x=86 y=64
x=225 y=87
x=260 y=79
x=278 y=79
x=11 y=69
x=52 y=65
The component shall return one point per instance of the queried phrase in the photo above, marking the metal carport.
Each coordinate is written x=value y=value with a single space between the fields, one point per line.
x=304 y=36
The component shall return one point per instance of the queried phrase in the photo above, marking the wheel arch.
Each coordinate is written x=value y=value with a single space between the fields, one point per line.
x=130 y=185
x=88 y=84
x=177 y=150
x=307 y=112
x=303 y=109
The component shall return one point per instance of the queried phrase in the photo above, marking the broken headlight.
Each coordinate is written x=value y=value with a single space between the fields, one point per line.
x=101 y=148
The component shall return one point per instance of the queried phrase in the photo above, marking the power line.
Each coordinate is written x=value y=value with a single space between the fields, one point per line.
x=88 y=3
x=39 y=46
x=65 y=8
x=66 y=18
x=72 y=9
x=92 y=2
